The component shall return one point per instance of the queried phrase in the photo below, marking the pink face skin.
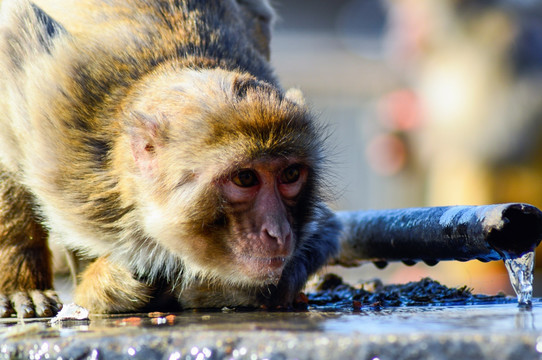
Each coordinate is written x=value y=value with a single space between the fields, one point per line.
x=259 y=196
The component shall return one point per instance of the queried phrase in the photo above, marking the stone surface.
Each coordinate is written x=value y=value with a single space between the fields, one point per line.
x=500 y=331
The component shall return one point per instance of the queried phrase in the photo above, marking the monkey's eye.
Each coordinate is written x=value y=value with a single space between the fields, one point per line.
x=245 y=178
x=290 y=174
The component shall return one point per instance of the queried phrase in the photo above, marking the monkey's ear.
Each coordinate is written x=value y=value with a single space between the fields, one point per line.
x=296 y=96
x=147 y=136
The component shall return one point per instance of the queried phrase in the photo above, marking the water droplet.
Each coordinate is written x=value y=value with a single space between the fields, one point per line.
x=94 y=355
x=207 y=352
x=175 y=356
x=520 y=271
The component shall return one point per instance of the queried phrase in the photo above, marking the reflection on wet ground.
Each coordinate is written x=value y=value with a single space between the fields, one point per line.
x=440 y=319
x=367 y=330
x=437 y=332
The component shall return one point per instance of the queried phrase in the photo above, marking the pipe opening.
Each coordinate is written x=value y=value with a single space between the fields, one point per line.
x=521 y=232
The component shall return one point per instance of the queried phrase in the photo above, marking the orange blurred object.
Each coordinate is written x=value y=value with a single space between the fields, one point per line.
x=387 y=154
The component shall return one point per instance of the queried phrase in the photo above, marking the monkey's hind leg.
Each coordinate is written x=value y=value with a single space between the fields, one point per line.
x=26 y=278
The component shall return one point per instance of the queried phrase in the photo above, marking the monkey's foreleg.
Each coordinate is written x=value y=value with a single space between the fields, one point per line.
x=26 y=278
x=106 y=287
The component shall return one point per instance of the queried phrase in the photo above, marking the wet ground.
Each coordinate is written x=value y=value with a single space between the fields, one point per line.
x=341 y=328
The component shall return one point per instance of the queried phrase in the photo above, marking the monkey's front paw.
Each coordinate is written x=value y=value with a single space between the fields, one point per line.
x=32 y=303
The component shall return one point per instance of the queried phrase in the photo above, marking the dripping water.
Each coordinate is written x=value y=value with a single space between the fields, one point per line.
x=520 y=271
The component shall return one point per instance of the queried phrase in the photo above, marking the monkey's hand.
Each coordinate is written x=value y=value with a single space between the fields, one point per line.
x=26 y=278
x=28 y=304
x=315 y=252
x=107 y=287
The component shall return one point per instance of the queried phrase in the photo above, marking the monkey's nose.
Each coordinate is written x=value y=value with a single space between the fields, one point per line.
x=279 y=238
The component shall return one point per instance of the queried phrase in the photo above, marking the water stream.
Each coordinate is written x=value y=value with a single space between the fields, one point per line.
x=520 y=271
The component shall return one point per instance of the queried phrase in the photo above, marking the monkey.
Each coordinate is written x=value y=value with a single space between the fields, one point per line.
x=153 y=138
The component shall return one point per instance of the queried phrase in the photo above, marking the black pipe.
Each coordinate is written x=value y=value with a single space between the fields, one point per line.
x=432 y=234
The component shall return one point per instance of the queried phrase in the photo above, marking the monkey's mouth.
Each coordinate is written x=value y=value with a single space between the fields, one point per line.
x=263 y=267
x=272 y=262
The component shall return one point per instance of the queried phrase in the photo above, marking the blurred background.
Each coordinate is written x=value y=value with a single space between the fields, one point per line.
x=429 y=103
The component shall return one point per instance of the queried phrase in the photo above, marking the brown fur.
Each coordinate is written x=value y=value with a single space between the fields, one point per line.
x=107 y=287
x=121 y=120
x=24 y=241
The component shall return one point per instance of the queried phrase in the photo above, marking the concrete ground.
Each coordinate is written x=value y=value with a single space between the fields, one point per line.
x=459 y=332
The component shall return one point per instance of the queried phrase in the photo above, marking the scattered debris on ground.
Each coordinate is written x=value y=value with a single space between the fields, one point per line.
x=71 y=312
x=332 y=292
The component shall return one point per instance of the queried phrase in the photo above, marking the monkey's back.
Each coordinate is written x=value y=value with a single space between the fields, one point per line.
x=55 y=83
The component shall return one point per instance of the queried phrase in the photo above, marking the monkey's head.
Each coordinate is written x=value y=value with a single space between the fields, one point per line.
x=225 y=170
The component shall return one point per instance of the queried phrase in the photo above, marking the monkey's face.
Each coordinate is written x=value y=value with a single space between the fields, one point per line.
x=225 y=169
x=260 y=198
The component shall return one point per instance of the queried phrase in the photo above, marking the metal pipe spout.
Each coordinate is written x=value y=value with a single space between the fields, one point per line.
x=432 y=234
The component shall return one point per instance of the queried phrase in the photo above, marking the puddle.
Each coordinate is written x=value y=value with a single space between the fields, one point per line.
x=499 y=318
x=369 y=308
x=400 y=320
